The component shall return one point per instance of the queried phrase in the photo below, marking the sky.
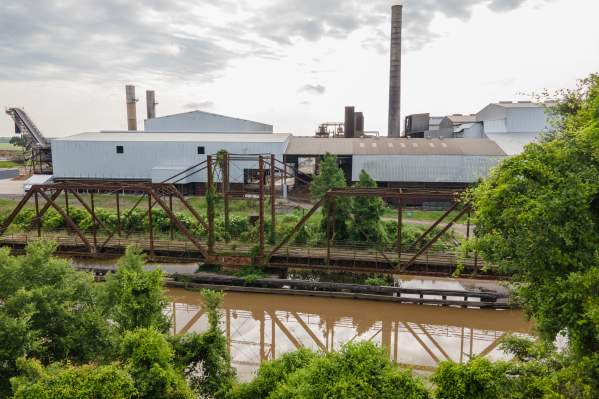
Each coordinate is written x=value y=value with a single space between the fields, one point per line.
x=290 y=63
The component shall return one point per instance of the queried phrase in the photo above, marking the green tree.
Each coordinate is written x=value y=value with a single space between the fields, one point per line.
x=204 y=357
x=537 y=216
x=367 y=212
x=71 y=382
x=19 y=141
x=149 y=359
x=135 y=298
x=356 y=371
x=48 y=311
x=331 y=176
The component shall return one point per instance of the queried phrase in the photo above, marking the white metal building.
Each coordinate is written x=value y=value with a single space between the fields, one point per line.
x=403 y=160
x=156 y=156
x=204 y=122
x=512 y=125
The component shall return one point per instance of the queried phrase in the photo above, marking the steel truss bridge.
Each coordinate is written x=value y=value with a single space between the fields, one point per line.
x=105 y=241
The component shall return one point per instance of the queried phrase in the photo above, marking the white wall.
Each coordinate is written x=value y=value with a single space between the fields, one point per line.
x=86 y=159
x=204 y=122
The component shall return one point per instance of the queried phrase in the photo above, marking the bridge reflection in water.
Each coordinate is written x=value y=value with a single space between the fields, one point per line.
x=262 y=327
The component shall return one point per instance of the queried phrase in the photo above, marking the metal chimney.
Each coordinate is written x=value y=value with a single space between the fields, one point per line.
x=350 y=122
x=151 y=103
x=395 y=73
x=131 y=108
x=359 y=124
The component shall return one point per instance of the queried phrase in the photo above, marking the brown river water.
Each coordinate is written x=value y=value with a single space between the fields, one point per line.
x=261 y=327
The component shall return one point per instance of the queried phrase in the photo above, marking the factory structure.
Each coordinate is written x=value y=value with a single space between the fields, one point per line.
x=450 y=151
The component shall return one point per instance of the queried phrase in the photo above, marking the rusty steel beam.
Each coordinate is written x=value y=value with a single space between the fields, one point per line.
x=261 y=204
x=180 y=225
x=113 y=232
x=210 y=191
x=185 y=204
x=44 y=209
x=184 y=171
x=399 y=228
x=225 y=167
x=150 y=225
x=435 y=224
x=7 y=222
x=68 y=221
x=435 y=238
x=273 y=227
x=91 y=210
x=298 y=226
x=118 y=214
x=38 y=221
x=95 y=224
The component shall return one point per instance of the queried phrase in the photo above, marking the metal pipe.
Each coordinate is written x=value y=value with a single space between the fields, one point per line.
x=395 y=73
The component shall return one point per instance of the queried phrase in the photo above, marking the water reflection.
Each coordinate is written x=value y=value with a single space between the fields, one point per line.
x=261 y=327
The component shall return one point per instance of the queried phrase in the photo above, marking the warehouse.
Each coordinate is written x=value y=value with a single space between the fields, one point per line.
x=405 y=162
x=155 y=157
x=204 y=122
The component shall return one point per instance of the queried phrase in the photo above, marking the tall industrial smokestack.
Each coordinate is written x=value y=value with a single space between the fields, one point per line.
x=395 y=73
x=151 y=103
x=131 y=108
x=359 y=124
x=350 y=122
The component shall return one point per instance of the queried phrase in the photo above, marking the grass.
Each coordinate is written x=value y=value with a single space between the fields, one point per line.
x=10 y=164
x=9 y=147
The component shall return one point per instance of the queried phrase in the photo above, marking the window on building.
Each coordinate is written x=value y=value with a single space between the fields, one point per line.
x=201 y=150
x=120 y=149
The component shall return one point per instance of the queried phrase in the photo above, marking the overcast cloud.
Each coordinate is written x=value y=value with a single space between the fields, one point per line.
x=165 y=39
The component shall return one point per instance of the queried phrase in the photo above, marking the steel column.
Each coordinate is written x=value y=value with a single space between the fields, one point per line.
x=150 y=225
x=37 y=217
x=225 y=167
x=210 y=194
x=118 y=214
x=94 y=219
x=261 y=203
x=273 y=227
x=170 y=206
x=399 y=228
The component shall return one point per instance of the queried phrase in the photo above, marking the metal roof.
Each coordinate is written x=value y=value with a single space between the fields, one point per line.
x=392 y=146
x=197 y=111
x=461 y=118
x=180 y=137
x=523 y=104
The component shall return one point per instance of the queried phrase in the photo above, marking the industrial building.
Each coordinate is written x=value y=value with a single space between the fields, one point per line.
x=204 y=122
x=148 y=156
x=510 y=124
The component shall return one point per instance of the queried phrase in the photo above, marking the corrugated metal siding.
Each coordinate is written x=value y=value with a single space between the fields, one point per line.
x=199 y=121
x=424 y=168
x=99 y=160
x=527 y=120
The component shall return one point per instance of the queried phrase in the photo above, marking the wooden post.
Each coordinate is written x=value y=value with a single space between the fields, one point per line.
x=94 y=225
x=261 y=203
x=150 y=224
x=273 y=227
x=118 y=214
x=210 y=205
x=37 y=217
